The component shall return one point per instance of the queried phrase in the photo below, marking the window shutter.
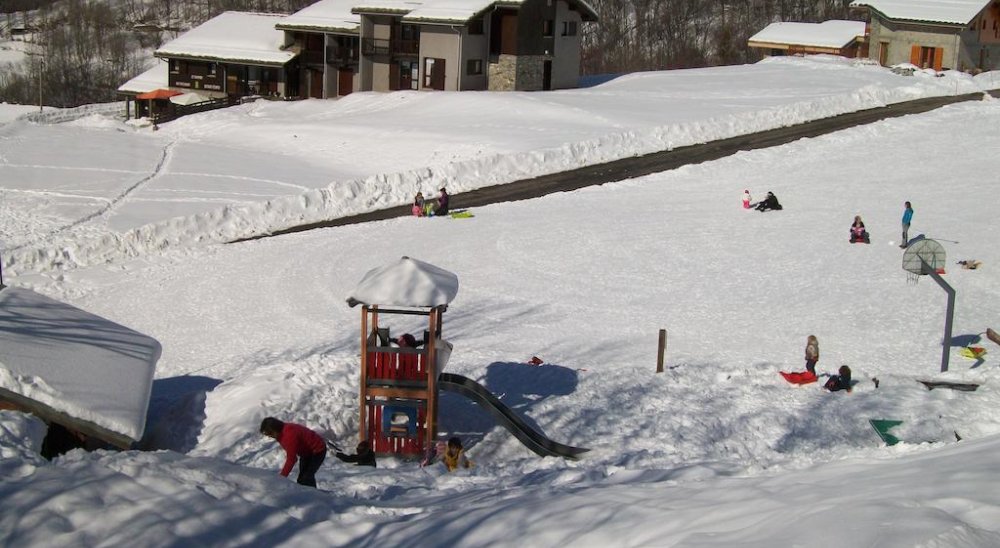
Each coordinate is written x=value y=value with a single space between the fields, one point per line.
x=915 y=55
x=938 y=57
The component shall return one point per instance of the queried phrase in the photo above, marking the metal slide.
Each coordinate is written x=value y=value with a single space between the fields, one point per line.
x=531 y=438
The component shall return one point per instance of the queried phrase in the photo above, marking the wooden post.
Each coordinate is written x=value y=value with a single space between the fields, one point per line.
x=362 y=422
x=430 y=429
x=661 y=349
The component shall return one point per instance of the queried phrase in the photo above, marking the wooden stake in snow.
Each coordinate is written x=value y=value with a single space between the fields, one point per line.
x=662 y=348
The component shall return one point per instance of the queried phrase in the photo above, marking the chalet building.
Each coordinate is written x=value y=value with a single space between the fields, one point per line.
x=335 y=47
x=234 y=54
x=325 y=37
x=844 y=38
x=954 y=34
x=458 y=45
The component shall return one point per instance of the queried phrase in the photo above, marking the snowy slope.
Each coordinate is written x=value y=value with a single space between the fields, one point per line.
x=716 y=451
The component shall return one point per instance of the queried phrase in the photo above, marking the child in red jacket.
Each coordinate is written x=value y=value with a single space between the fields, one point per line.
x=299 y=443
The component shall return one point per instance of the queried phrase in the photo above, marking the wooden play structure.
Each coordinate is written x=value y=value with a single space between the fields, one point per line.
x=401 y=377
x=399 y=383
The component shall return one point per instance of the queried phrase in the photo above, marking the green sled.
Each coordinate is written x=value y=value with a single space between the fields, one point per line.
x=882 y=427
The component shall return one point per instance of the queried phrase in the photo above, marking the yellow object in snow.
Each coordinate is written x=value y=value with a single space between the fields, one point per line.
x=973 y=352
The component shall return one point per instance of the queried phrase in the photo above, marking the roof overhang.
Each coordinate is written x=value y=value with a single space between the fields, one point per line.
x=346 y=29
x=49 y=414
x=235 y=59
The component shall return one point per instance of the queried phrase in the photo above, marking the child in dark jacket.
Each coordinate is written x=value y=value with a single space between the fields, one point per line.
x=841 y=381
x=442 y=205
x=364 y=456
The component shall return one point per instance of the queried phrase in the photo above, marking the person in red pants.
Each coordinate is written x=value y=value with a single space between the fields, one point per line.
x=299 y=443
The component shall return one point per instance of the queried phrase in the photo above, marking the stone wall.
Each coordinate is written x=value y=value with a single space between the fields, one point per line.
x=517 y=73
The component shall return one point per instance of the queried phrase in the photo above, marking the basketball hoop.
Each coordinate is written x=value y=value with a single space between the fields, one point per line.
x=922 y=257
x=927 y=257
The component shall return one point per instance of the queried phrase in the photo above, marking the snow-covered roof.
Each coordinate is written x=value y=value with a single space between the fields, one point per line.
x=828 y=34
x=386 y=6
x=234 y=37
x=450 y=11
x=959 y=12
x=406 y=282
x=75 y=362
x=154 y=78
x=326 y=16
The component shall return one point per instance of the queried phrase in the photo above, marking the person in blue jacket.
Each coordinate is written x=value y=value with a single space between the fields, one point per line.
x=907 y=217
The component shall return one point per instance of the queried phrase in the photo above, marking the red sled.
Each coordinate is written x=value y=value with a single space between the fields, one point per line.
x=799 y=377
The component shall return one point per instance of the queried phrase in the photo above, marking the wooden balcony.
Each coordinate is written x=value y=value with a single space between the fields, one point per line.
x=389 y=48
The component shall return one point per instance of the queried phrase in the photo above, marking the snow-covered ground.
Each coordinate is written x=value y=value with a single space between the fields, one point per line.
x=125 y=191
x=716 y=451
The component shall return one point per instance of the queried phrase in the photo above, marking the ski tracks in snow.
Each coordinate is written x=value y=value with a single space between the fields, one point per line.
x=115 y=202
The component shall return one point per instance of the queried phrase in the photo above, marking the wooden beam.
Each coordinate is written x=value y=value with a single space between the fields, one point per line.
x=397 y=392
x=49 y=414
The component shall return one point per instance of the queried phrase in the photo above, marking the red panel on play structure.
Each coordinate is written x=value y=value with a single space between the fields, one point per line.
x=397 y=367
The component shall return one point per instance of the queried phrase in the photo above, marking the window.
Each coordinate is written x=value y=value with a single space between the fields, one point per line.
x=476 y=26
x=569 y=28
x=212 y=67
x=547 y=27
x=428 y=69
x=474 y=67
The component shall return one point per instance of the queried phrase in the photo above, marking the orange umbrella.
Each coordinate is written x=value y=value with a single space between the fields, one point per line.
x=158 y=94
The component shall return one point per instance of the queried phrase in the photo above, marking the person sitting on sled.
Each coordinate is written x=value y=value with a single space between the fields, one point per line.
x=299 y=443
x=858 y=232
x=363 y=456
x=442 y=205
x=841 y=381
x=770 y=202
x=418 y=205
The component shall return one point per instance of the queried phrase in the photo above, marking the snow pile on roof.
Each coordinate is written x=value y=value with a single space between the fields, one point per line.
x=406 y=282
x=75 y=362
x=959 y=12
x=325 y=15
x=154 y=78
x=448 y=10
x=828 y=34
x=233 y=36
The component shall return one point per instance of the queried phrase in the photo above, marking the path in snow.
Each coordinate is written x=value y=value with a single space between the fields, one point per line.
x=657 y=162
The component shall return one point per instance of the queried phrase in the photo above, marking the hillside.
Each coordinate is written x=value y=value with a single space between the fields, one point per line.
x=716 y=451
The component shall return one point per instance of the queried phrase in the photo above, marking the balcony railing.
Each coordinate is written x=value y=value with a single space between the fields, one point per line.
x=311 y=57
x=339 y=55
x=391 y=48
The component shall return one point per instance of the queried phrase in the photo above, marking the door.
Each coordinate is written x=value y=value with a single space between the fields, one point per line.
x=408 y=75
x=547 y=75
x=345 y=82
x=434 y=73
x=315 y=84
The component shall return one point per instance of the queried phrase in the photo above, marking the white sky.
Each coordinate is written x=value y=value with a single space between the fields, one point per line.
x=716 y=451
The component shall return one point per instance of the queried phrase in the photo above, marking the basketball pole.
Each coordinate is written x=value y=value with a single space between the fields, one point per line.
x=949 y=315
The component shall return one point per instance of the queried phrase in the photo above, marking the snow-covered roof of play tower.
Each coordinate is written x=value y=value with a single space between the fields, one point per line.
x=76 y=364
x=406 y=282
